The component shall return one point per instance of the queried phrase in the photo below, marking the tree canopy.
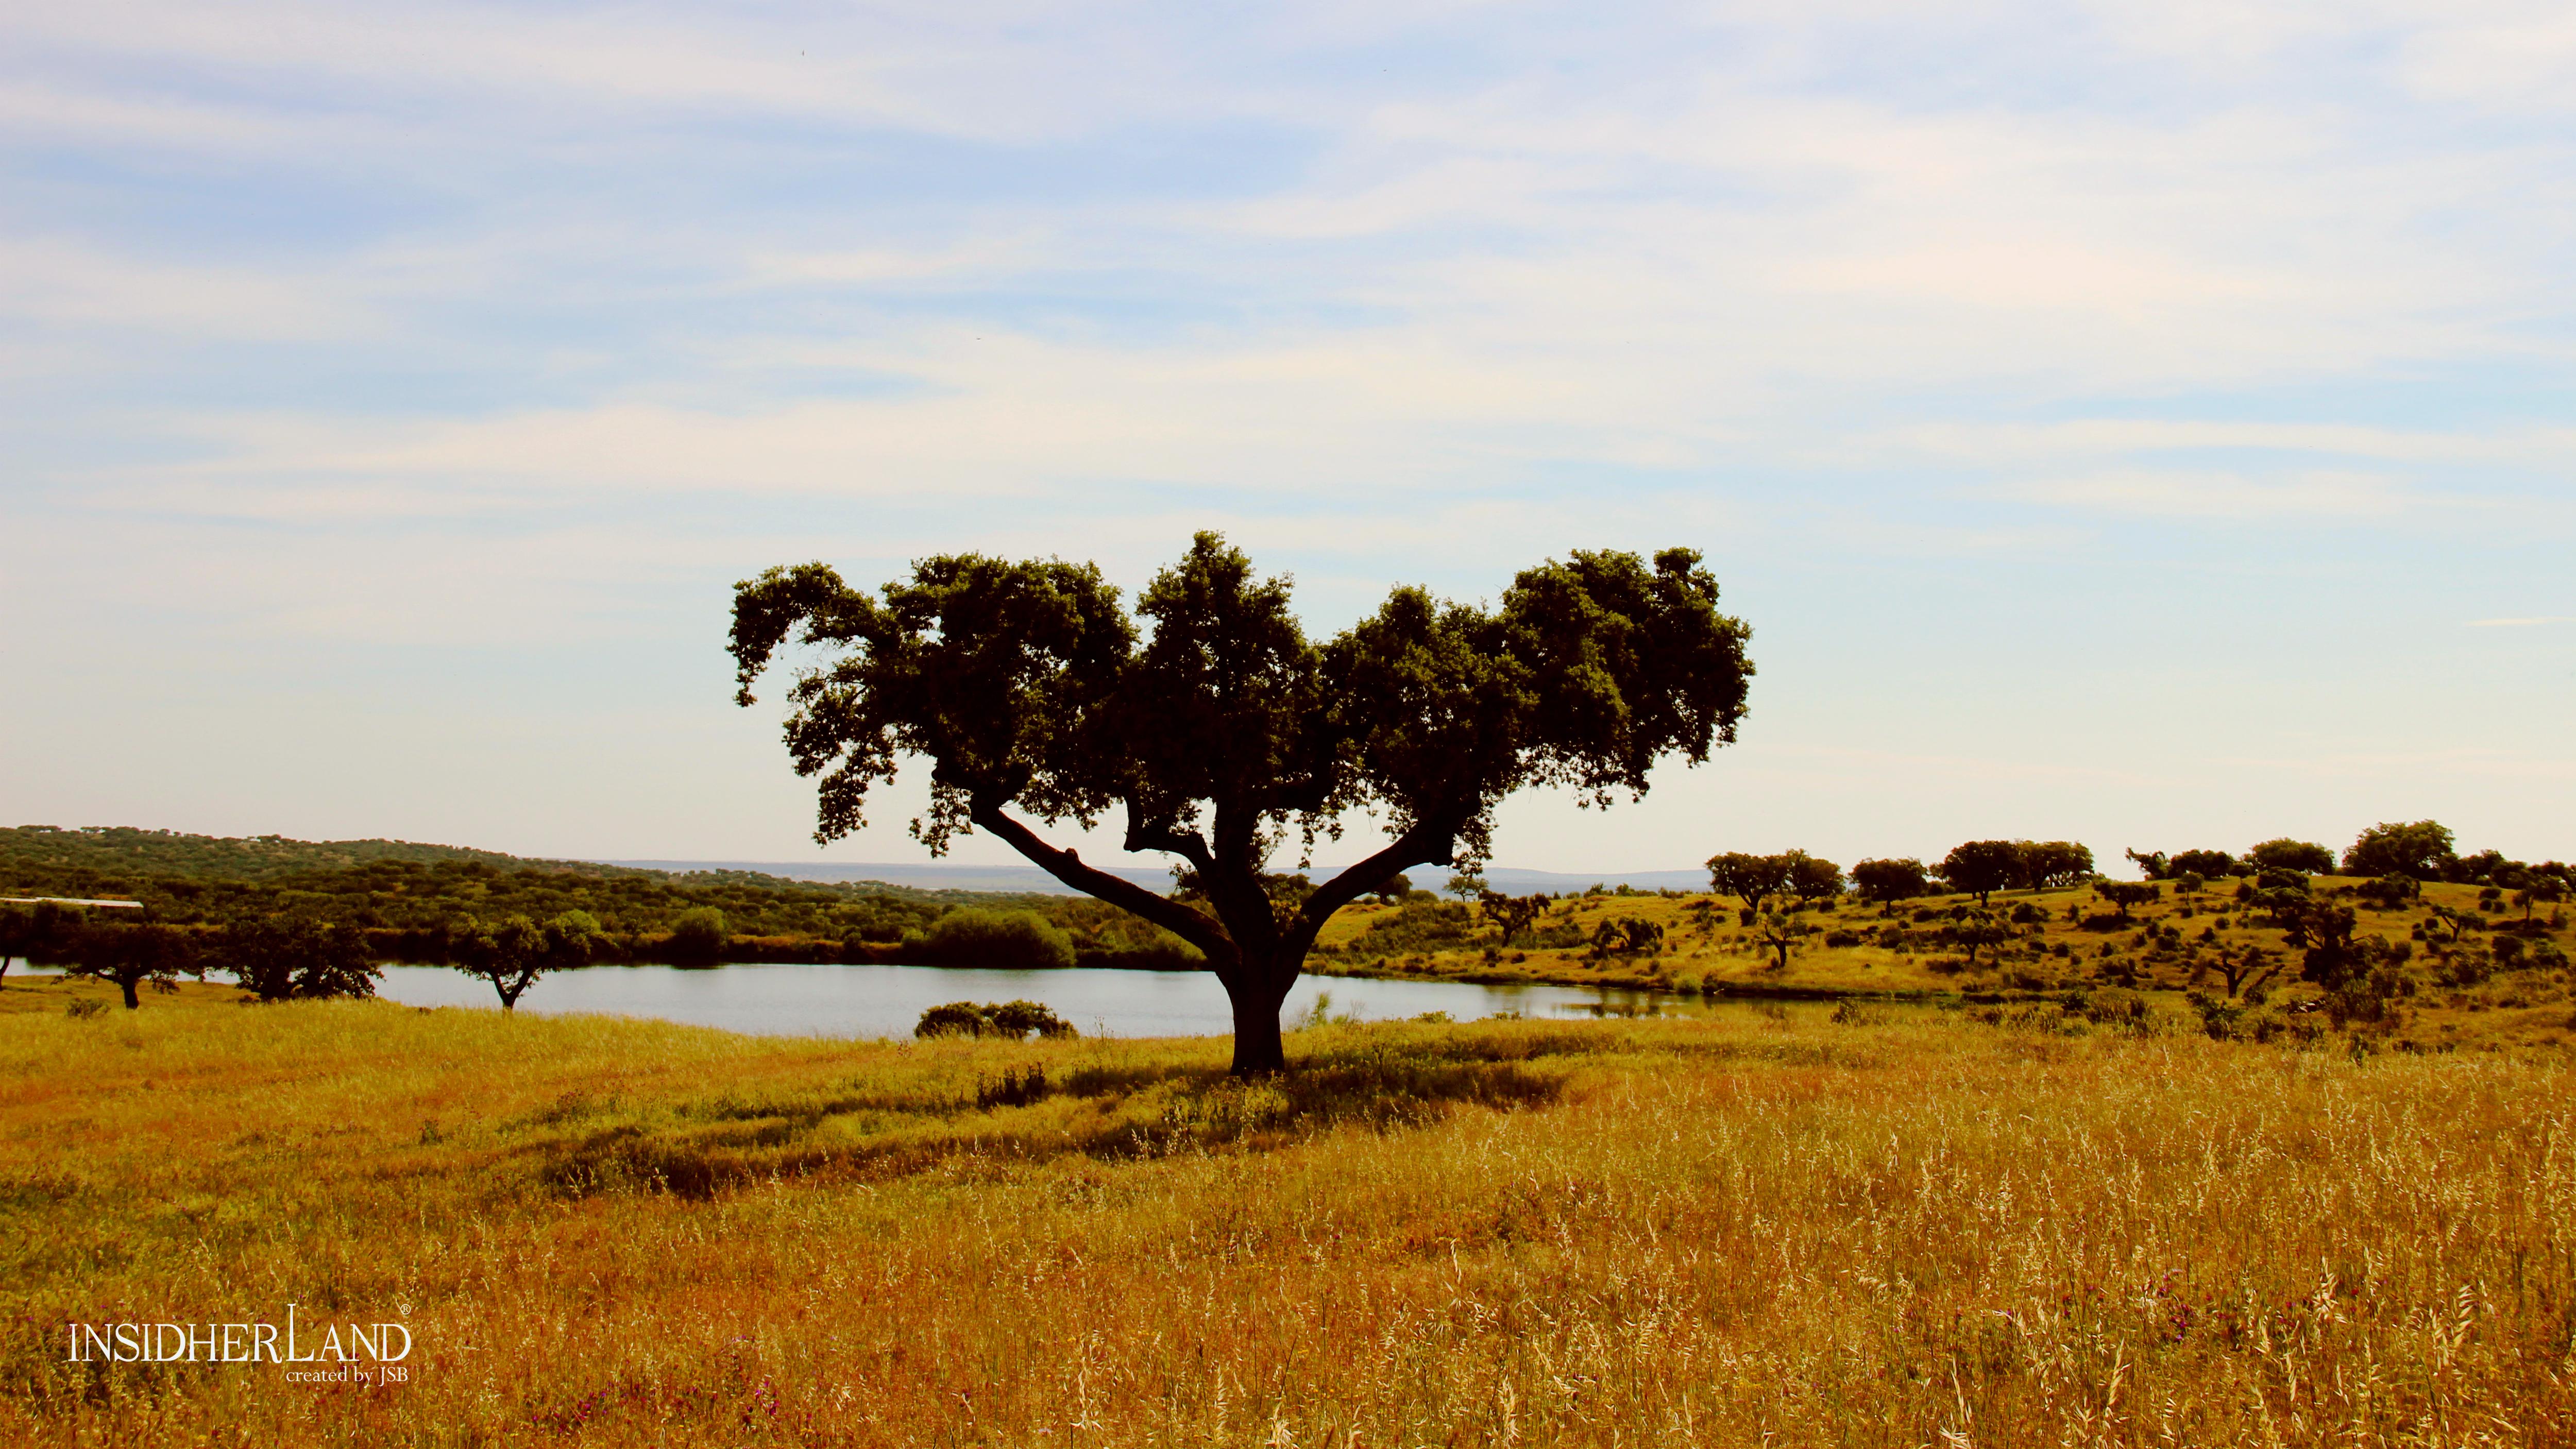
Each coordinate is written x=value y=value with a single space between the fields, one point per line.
x=2421 y=850
x=1218 y=729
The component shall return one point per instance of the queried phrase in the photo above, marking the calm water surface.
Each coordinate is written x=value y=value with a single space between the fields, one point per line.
x=856 y=1001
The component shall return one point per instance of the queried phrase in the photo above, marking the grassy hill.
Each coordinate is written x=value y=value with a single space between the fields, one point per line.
x=2066 y=940
x=1792 y=1226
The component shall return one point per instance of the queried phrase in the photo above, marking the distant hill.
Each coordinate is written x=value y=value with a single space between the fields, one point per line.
x=125 y=850
x=108 y=858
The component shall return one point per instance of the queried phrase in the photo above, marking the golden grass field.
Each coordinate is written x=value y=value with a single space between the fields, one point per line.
x=1765 y=1226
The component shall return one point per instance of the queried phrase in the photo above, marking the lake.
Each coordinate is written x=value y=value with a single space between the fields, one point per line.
x=883 y=1001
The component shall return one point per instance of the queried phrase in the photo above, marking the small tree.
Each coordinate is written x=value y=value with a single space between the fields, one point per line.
x=1979 y=928
x=2122 y=894
x=1779 y=934
x=131 y=955
x=2457 y=923
x=1752 y=879
x=1627 y=936
x=2422 y=850
x=276 y=960
x=1813 y=878
x=1982 y=867
x=2247 y=967
x=1393 y=893
x=1880 y=881
x=515 y=951
x=2542 y=891
x=2287 y=854
x=2152 y=865
x=1511 y=915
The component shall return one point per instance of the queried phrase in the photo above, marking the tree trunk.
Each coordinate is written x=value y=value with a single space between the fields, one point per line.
x=1257 y=1049
x=132 y=1002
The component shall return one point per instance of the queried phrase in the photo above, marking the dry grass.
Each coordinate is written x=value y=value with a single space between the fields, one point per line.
x=1919 y=1229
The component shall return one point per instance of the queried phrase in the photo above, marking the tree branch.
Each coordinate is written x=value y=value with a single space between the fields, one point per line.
x=1184 y=843
x=1189 y=924
x=1431 y=842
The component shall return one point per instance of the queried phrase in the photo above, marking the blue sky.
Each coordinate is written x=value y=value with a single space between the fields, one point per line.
x=2150 y=429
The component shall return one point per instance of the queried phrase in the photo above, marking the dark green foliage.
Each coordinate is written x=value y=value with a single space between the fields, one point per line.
x=2421 y=850
x=1013 y=1019
x=956 y=1018
x=699 y=936
x=2291 y=855
x=1432 y=925
x=2124 y=894
x=1890 y=880
x=1813 y=878
x=513 y=952
x=1028 y=689
x=1752 y=879
x=1982 y=867
x=2044 y=864
x=1003 y=940
x=27 y=930
x=132 y=954
x=1779 y=934
x=2362 y=976
x=2208 y=864
x=1512 y=916
x=288 y=958
x=1977 y=930
x=1627 y=936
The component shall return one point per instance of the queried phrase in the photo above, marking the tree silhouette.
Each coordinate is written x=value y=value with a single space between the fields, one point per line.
x=2421 y=850
x=1752 y=879
x=514 y=951
x=131 y=955
x=1028 y=689
x=1982 y=867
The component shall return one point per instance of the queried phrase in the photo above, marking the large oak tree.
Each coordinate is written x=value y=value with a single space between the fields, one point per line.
x=1219 y=729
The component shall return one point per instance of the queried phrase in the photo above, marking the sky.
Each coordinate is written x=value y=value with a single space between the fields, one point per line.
x=2150 y=426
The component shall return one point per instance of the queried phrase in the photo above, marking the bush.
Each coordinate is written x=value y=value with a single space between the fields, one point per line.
x=700 y=935
x=1011 y=1019
x=1003 y=940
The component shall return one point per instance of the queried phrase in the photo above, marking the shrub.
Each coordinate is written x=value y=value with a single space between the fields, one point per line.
x=700 y=935
x=1012 y=1019
x=1003 y=940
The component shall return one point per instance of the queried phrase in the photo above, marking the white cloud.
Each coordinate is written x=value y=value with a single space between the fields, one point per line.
x=2222 y=495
